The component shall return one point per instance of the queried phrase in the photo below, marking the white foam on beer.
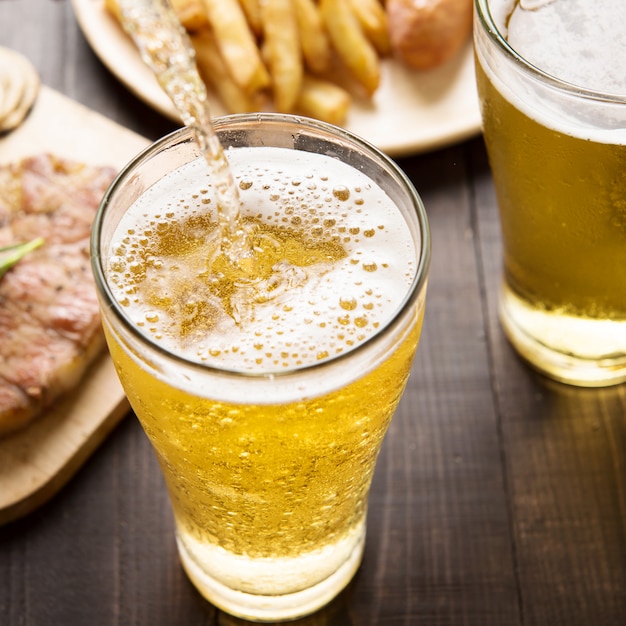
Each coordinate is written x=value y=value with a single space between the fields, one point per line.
x=578 y=41
x=331 y=312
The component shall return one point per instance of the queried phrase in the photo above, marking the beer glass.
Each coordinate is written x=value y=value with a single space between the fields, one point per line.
x=550 y=77
x=266 y=400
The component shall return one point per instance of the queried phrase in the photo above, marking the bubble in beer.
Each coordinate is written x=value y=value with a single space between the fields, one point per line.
x=349 y=304
x=341 y=192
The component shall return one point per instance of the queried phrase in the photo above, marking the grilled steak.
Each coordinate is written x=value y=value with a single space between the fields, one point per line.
x=49 y=321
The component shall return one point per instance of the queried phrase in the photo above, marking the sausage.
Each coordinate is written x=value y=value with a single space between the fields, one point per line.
x=426 y=33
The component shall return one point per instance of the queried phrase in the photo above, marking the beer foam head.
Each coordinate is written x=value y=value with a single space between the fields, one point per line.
x=304 y=312
x=582 y=42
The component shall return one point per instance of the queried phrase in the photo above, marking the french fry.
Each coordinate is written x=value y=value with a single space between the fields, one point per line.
x=237 y=44
x=373 y=20
x=281 y=49
x=323 y=100
x=215 y=73
x=252 y=10
x=351 y=44
x=314 y=41
x=191 y=13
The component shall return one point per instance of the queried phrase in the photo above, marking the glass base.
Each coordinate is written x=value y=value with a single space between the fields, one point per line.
x=271 y=590
x=577 y=351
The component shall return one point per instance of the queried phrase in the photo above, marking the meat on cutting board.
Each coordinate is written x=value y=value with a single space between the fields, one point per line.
x=49 y=321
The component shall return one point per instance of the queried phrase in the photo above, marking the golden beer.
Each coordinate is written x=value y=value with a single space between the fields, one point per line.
x=558 y=157
x=266 y=387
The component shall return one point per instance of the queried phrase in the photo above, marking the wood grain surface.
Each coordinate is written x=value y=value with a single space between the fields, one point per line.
x=499 y=498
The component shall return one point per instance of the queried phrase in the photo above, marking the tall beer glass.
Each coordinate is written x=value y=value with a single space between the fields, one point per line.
x=551 y=81
x=266 y=396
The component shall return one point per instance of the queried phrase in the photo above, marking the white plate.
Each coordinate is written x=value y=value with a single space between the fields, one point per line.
x=411 y=112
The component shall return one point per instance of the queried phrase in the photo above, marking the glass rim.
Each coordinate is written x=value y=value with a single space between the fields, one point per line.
x=486 y=21
x=183 y=135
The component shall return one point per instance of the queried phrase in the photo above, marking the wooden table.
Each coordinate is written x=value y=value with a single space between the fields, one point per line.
x=499 y=497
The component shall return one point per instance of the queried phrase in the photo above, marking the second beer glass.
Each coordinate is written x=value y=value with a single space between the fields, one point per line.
x=554 y=118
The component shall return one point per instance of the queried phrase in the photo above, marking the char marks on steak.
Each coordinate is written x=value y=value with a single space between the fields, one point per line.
x=49 y=321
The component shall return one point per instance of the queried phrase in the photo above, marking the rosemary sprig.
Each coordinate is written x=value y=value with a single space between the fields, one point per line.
x=10 y=255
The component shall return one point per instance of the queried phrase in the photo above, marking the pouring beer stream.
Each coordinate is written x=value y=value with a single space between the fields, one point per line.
x=165 y=48
x=248 y=261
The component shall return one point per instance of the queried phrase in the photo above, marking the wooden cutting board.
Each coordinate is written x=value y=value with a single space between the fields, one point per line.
x=37 y=461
